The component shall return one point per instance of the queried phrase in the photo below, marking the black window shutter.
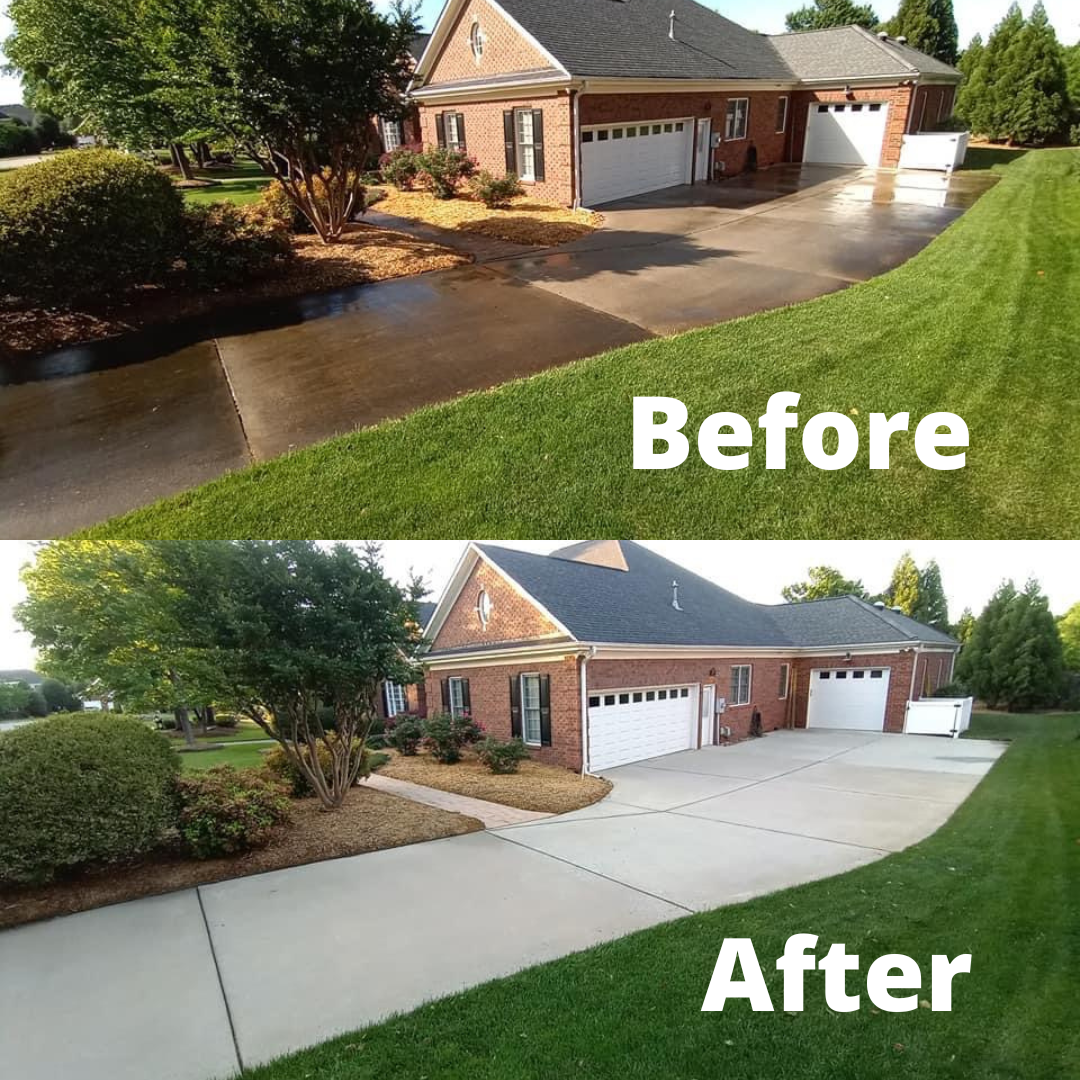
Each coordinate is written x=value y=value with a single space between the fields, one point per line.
x=508 y=137
x=446 y=695
x=466 y=701
x=538 y=156
x=440 y=128
x=545 y=707
x=461 y=131
x=515 y=707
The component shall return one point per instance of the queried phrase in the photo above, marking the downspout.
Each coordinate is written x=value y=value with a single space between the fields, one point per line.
x=585 y=708
x=576 y=136
x=914 y=675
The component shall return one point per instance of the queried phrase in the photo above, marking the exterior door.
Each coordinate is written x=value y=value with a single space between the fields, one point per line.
x=846 y=133
x=619 y=161
x=632 y=725
x=702 y=151
x=851 y=699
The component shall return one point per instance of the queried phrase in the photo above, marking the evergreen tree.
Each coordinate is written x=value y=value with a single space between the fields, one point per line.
x=932 y=606
x=976 y=667
x=962 y=630
x=822 y=14
x=928 y=25
x=996 y=82
x=903 y=591
x=1069 y=631
x=1040 y=109
x=1072 y=88
x=974 y=84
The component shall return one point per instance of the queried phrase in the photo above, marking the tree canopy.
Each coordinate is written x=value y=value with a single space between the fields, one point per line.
x=932 y=606
x=822 y=14
x=929 y=26
x=822 y=582
x=1069 y=629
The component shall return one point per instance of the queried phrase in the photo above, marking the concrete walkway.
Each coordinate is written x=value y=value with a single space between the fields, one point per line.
x=190 y=986
x=493 y=815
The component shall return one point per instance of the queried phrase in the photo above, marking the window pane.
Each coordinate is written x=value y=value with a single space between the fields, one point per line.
x=609 y=699
x=530 y=707
x=656 y=129
x=668 y=128
x=662 y=695
x=457 y=703
x=650 y=695
x=637 y=699
x=624 y=699
x=594 y=702
x=841 y=674
x=858 y=674
x=617 y=133
x=824 y=674
x=876 y=674
x=684 y=693
x=602 y=136
x=586 y=136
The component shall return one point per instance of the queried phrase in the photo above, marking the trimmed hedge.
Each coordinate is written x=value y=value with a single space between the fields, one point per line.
x=228 y=245
x=87 y=222
x=226 y=811
x=80 y=788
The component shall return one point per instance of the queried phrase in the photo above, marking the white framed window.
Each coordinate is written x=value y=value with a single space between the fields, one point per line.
x=392 y=135
x=457 y=696
x=453 y=132
x=483 y=608
x=738 y=117
x=781 y=115
x=740 y=685
x=525 y=137
x=476 y=41
x=530 y=710
x=785 y=680
x=397 y=701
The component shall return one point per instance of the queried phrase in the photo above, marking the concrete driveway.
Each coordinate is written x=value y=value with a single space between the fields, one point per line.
x=267 y=964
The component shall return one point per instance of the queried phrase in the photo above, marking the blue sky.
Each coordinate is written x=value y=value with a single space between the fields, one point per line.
x=973 y=16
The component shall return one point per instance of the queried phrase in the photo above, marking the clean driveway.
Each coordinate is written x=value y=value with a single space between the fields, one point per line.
x=301 y=954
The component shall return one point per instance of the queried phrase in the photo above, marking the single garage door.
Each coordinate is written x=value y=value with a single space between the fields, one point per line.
x=850 y=133
x=853 y=699
x=631 y=725
x=621 y=160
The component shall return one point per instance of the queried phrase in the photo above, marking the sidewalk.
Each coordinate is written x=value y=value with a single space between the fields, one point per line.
x=493 y=815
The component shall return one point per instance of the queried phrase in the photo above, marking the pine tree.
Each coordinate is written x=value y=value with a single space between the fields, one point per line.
x=962 y=630
x=974 y=83
x=932 y=607
x=822 y=14
x=903 y=591
x=977 y=668
x=928 y=25
x=1040 y=109
x=996 y=82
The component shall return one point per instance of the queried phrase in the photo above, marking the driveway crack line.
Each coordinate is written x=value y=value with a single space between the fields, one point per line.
x=235 y=399
x=784 y=832
x=221 y=983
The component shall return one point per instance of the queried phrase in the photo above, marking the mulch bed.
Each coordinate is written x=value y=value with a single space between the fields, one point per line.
x=526 y=221
x=369 y=821
x=534 y=787
x=367 y=254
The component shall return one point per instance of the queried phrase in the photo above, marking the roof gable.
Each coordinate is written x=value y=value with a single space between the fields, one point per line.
x=852 y=52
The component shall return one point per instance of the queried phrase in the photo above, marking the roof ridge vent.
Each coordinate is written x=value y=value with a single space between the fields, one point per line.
x=883 y=35
x=901 y=41
x=896 y=607
x=879 y=604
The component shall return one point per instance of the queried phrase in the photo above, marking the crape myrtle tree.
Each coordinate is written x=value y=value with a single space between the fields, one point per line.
x=822 y=14
x=298 y=629
x=822 y=582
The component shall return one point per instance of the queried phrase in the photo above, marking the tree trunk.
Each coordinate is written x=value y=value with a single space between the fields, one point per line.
x=202 y=153
x=180 y=160
x=183 y=722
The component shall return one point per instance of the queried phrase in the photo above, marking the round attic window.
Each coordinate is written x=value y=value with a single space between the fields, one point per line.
x=476 y=40
x=483 y=607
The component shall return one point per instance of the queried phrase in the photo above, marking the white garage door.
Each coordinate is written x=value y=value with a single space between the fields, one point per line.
x=630 y=725
x=848 y=698
x=621 y=160
x=849 y=133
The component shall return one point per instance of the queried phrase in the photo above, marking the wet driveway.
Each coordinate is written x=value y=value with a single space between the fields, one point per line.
x=131 y=427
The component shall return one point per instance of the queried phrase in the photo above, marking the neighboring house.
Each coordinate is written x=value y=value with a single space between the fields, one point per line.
x=21 y=675
x=23 y=113
x=395 y=698
x=605 y=653
x=594 y=100
x=402 y=132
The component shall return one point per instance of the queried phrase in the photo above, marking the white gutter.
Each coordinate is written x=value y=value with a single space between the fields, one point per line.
x=576 y=136
x=585 y=709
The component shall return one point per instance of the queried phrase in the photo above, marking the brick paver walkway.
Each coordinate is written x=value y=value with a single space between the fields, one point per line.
x=493 y=815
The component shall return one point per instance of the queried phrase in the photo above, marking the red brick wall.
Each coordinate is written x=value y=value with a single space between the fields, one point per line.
x=489 y=695
x=513 y=617
x=898 y=98
x=932 y=103
x=933 y=674
x=772 y=147
x=484 y=140
x=505 y=50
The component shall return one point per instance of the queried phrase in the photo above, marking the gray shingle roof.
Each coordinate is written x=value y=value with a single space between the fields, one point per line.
x=598 y=604
x=629 y=39
x=16 y=675
x=850 y=52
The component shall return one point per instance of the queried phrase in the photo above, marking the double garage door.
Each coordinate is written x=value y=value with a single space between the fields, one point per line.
x=851 y=699
x=631 y=725
x=846 y=133
x=622 y=160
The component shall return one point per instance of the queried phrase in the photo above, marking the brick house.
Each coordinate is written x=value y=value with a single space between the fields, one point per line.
x=604 y=653
x=589 y=101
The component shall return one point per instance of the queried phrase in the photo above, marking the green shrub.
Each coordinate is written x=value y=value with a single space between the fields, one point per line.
x=401 y=167
x=1074 y=135
x=495 y=192
x=17 y=139
x=285 y=769
x=953 y=690
x=87 y=222
x=79 y=788
x=501 y=757
x=405 y=733
x=446 y=736
x=226 y=720
x=277 y=205
x=228 y=245
x=443 y=169
x=225 y=811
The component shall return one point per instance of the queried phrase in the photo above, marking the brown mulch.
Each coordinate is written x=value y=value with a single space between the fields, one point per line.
x=524 y=222
x=546 y=788
x=369 y=821
x=367 y=254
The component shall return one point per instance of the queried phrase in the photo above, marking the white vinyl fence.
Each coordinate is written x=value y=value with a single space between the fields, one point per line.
x=938 y=716
x=942 y=151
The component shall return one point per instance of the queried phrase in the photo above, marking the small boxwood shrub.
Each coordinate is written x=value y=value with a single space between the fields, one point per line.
x=447 y=736
x=502 y=758
x=283 y=768
x=79 y=788
x=280 y=209
x=227 y=245
x=495 y=192
x=405 y=733
x=87 y=222
x=443 y=169
x=225 y=811
x=402 y=166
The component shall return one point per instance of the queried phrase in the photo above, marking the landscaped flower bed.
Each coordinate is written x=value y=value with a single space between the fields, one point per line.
x=545 y=788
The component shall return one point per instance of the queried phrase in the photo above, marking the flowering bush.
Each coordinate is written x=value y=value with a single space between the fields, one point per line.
x=443 y=169
x=446 y=736
x=501 y=757
x=401 y=167
x=495 y=192
x=405 y=734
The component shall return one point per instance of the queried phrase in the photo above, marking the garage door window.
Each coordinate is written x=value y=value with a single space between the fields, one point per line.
x=738 y=114
x=740 y=685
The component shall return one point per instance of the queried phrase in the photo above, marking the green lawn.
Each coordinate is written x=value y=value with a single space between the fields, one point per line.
x=247 y=755
x=983 y=323
x=1000 y=881
x=243 y=183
